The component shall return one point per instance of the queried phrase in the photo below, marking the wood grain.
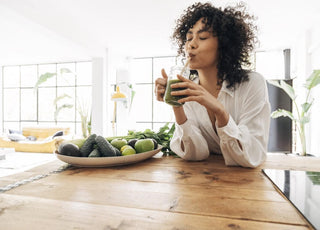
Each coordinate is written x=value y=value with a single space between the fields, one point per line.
x=160 y=193
x=24 y=212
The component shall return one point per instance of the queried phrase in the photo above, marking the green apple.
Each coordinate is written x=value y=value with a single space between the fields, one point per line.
x=144 y=145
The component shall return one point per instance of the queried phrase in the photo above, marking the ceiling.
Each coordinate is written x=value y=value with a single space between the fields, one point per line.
x=47 y=30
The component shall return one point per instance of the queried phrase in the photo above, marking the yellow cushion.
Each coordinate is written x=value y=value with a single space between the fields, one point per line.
x=41 y=145
x=29 y=146
x=43 y=132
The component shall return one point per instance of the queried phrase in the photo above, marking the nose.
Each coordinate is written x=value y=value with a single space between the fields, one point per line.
x=192 y=44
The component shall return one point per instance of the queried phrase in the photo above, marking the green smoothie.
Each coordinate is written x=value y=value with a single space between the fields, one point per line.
x=168 y=98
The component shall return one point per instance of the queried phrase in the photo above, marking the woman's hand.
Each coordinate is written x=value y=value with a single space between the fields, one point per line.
x=160 y=86
x=196 y=92
x=160 y=89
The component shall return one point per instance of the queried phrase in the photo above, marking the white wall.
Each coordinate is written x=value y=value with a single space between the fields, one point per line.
x=22 y=41
x=1 y=93
x=315 y=121
x=306 y=58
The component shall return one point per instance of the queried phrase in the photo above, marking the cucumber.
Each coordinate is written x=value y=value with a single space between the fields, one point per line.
x=105 y=148
x=87 y=146
x=118 y=153
x=69 y=149
x=95 y=153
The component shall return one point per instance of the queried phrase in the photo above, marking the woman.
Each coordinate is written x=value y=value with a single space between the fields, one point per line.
x=226 y=108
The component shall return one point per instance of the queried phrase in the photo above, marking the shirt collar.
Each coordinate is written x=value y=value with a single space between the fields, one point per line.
x=224 y=88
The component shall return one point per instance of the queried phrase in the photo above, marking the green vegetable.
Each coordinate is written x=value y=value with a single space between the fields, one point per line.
x=118 y=152
x=69 y=149
x=162 y=137
x=95 y=153
x=88 y=145
x=105 y=148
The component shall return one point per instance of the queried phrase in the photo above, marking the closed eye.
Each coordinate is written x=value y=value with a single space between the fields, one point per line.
x=203 y=38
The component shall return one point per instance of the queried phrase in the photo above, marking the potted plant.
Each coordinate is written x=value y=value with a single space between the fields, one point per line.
x=83 y=108
x=302 y=113
x=84 y=112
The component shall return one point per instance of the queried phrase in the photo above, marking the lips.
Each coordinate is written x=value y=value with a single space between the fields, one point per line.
x=191 y=55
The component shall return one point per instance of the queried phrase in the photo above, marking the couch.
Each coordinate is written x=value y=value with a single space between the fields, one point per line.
x=45 y=139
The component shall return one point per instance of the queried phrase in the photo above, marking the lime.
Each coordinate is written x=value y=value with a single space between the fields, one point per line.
x=118 y=143
x=144 y=145
x=128 y=151
x=124 y=147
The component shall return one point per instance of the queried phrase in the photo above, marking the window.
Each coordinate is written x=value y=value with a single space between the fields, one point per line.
x=149 y=112
x=25 y=105
x=152 y=114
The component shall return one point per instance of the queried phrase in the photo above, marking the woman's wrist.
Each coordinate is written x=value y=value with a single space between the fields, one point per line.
x=222 y=118
x=181 y=117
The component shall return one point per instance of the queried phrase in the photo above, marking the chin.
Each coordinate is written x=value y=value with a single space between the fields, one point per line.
x=193 y=67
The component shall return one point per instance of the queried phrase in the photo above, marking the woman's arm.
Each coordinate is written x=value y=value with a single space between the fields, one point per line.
x=245 y=142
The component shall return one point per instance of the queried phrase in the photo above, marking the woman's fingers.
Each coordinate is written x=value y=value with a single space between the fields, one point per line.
x=160 y=85
x=164 y=74
x=185 y=83
x=183 y=78
x=159 y=89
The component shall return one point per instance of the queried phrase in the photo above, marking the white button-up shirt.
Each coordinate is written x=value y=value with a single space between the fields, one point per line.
x=243 y=141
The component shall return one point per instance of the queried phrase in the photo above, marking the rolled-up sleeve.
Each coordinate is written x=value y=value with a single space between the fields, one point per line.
x=188 y=142
x=242 y=141
x=245 y=143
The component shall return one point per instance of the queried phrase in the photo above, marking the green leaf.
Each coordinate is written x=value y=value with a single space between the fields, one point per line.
x=306 y=106
x=43 y=78
x=282 y=113
x=275 y=83
x=163 y=128
x=313 y=80
x=304 y=120
x=60 y=98
x=65 y=70
x=56 y=113
x=288 y=89
x=171 y=131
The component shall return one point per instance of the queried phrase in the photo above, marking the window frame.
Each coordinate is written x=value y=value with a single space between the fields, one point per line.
x=19 y=123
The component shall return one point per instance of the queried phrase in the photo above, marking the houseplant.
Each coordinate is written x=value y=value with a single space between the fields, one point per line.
x=84 y=109
x=302 y=113
x=43 y=78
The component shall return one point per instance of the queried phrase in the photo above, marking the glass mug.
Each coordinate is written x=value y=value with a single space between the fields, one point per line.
x=172 y=79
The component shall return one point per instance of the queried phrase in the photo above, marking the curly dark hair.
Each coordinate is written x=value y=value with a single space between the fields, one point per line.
x=235 y=30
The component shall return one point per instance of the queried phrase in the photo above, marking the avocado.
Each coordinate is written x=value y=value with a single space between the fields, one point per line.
x=132 y=142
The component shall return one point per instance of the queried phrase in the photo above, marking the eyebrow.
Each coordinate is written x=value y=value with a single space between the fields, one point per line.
x=199 y=31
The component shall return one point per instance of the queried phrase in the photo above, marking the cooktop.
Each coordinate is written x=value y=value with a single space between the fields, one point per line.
x=302 y=189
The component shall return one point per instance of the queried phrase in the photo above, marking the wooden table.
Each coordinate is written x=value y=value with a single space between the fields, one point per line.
x=159 y=193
